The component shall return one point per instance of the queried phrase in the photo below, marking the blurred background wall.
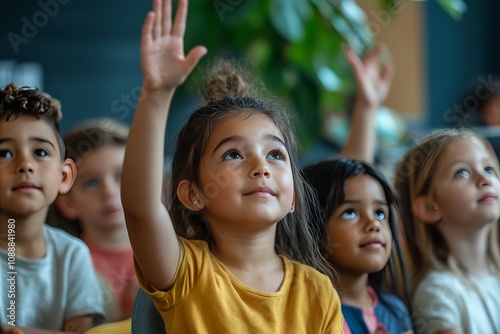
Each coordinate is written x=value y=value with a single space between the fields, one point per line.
x=86 y=53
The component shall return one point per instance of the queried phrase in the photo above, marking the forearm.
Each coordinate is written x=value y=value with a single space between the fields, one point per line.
x=361 y=140
x=143 y=163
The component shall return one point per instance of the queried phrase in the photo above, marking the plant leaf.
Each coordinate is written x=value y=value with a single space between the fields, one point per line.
x=456 y=8
x=288 y=17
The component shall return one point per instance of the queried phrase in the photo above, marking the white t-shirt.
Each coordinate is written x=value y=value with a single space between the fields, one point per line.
x=59 y=286
x=443 y=300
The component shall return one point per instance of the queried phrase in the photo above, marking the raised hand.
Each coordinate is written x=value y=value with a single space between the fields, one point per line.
x=163 y=62
x=373 y=79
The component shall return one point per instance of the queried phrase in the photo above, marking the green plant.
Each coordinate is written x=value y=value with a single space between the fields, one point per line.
x=295 y=45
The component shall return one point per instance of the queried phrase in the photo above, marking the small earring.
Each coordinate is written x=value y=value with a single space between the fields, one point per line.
x=292 y=210
x=197 y=204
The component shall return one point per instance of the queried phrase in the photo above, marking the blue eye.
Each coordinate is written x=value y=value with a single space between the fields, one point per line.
x=231 y=155
x=41 y=153
x=5 y=154
x=276 y=155
x=348 y=214
x=91 y=183
x=380 y=215
x=489 y=170
x=463 y=173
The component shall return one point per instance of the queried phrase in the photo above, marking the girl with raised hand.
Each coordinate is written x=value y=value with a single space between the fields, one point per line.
x=449 y=189
x=232 y=252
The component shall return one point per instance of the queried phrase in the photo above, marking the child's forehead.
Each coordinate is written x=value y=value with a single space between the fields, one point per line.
x=245 y=120
x=464 y=148
x=100 y=154
x=25 y=122
x=17 y=126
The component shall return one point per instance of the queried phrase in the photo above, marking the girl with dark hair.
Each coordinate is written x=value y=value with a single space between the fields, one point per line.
x=232 y=252
x=359 y=237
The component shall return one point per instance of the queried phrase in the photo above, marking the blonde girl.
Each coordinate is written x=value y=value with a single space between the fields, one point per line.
x=449 y=195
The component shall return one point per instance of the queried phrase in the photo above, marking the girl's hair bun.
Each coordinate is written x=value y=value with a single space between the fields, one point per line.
x=225 y=80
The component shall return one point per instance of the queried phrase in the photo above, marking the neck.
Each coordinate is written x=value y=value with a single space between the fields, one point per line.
x=246 y=252
x=353 y=290
x=25 y=235
x=252 y=259
x=470 y=249
x=116 y=238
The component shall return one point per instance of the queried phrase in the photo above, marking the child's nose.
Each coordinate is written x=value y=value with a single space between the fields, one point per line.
x=25 y=164
x=484 y=179
x=373 y=225
x=261 y=168
x=111 y=188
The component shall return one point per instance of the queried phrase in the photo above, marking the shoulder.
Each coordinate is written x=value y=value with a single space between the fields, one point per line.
x=304 y=271
x=439 y=289
x=64 y=244
x=57 y=235
x=393 y=310
x=394 y=301
x=440 y=281
x=304 y=275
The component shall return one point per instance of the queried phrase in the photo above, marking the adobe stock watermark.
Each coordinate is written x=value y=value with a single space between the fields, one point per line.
x=224 y=6
x=11 y=272
x=461 y=112
x=126 y=103
x=31 y=27
x=378 y=20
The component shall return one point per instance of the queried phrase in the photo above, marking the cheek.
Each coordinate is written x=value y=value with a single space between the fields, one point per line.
x=335 y=239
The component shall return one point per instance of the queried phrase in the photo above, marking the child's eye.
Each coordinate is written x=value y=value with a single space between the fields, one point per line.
x=348 y=214
x=41 y=153
x=231 y=155
x=489 y=170
x=5 y=154
x=380 y=215
x=276 y=155
x=463 y=173
x=91 y=183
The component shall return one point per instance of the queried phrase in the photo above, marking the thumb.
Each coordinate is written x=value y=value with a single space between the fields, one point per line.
x=194 y=56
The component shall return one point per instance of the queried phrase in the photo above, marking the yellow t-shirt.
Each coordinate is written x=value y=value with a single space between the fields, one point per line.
x=206 y=298
x=120 y=327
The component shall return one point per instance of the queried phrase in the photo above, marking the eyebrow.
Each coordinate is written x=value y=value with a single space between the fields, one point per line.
x=355 y=201
x=237 y=138
x=36 y=139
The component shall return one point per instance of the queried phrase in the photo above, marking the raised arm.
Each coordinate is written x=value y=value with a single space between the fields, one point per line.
x=164 y=67
x=373 y=80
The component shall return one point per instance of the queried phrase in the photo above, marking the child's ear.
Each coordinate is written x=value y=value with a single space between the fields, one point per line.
x=68 y=176
x=188 y=196
x=63 y=204
x=424 y=208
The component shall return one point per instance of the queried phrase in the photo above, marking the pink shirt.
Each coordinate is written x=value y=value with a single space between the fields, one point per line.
x=117 y=268
x=369 y=317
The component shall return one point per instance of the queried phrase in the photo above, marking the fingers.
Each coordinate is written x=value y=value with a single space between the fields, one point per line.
x=352 y=57
x=161 y=24
x=355 y=62
x=147 y=28
x=179 y=26
x=194 y=56
x=387 y=72
x=157 y=28
x=167 y=13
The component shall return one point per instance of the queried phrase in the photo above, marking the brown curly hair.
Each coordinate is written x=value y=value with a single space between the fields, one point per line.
x=25 y=101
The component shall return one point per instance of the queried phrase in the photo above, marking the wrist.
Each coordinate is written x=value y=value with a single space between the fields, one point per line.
x=366 y=107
